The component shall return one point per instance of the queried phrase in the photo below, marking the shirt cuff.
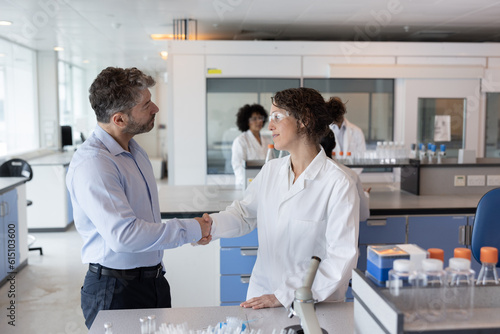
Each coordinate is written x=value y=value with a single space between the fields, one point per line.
x=193 y=230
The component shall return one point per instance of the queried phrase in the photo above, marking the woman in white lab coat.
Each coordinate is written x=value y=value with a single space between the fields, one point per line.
x=250 y=145
x=304 y=205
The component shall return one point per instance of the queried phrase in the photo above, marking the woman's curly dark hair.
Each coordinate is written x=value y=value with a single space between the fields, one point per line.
x=244 y=114
x=309 y=107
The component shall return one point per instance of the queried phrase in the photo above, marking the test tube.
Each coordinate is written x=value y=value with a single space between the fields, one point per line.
x=108 y=328
x=144 y=325
x=152 y=324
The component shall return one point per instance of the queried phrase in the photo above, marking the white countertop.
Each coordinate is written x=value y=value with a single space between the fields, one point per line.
x=10 y=182
x=56 y=158
x=386 y=199
x=333 y=317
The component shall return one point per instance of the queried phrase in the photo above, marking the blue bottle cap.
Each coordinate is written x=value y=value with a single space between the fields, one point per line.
x=433 y=148
x=442 y=147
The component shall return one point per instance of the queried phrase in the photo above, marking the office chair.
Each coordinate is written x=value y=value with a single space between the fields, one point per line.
x=486 y=229
x=20 y=168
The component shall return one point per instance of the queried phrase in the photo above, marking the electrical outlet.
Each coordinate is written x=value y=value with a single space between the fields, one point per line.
x=493 y=180
x=476 y=180
x=459 y=181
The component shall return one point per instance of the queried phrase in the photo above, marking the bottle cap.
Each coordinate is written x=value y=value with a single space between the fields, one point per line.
x=333 y=153
x=348 y=154
x=436 y=253
x=489 y=255
x=401 y=265
x=432 y=265
x=341 y=153
x=459 y=263
x=270 y=146
x=108 y=325
x=463 y=253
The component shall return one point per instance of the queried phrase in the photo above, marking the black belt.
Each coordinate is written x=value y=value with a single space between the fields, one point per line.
x=143 y=272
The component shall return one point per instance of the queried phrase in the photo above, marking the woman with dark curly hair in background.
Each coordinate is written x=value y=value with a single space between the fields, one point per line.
x=250 y=145
x=302 y=205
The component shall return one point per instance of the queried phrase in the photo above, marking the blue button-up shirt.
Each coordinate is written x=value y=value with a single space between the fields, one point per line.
x=116 y=208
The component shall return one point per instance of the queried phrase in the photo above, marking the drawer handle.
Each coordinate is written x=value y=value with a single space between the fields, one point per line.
x=248 y=252
x=244 y=279
x=376 y=222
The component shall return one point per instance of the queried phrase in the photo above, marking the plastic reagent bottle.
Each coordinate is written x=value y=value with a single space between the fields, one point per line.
x=436 y=253
x=399 y=287
x=460 y=294
x=432 y=301
x=488 y=274
x=270 y=152
x=461 y=252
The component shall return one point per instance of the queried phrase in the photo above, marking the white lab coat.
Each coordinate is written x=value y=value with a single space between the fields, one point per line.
x=353 y=141
x=246 y=147
x=364 y=197
x=318 y=216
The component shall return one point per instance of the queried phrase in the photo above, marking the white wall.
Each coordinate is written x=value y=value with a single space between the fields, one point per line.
x=467 y=69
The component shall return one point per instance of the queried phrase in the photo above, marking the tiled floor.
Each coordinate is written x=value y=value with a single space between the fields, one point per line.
x=48 y=289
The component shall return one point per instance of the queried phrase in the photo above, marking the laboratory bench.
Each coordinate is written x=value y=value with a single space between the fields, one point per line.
x=13 y=229
x=51 y=210
x=397 y=217
x=333 y=317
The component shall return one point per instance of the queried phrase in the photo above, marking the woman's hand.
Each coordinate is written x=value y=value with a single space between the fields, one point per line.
x=263 y=301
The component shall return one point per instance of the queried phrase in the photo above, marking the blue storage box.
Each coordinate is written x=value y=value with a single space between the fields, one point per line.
x=383 y=256
x=380 y=274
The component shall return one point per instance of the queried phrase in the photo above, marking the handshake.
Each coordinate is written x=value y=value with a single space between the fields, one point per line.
x=206 y=228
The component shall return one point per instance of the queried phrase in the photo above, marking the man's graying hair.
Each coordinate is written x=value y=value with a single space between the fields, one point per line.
x=117 y=90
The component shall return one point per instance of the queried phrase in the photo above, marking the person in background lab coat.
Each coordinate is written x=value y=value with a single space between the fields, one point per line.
x=303 y=205
x=250 y=145
x=349 y=137
x=328 y=143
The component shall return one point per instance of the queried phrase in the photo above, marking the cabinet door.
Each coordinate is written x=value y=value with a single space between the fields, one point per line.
x=436 y=232
x=3 y=239
x=9 y=233
x=376 y=231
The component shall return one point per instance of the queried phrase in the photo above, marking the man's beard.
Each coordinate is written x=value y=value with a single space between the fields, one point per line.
x=135 y=128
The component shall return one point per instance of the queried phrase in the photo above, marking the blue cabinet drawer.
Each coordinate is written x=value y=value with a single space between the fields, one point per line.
x=233 y=288
x=237 y=260
x=249 y=240
x=390 y=230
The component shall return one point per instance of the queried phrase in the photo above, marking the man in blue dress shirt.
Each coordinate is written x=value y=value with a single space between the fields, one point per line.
x=115 y=201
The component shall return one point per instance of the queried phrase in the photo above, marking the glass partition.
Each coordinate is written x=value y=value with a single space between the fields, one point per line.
x=224 y=97
x=369 y=104
x=492 y=133
x=442 y=121
x=18 y=99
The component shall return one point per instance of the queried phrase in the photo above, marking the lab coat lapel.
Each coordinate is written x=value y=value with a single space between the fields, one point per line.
x=310 y=173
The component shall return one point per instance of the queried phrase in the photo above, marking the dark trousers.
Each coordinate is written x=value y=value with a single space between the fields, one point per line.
x=115 y=293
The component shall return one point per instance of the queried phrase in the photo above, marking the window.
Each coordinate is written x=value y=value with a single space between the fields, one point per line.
x=224 y=98
x=441 y=121
x=492 y=140
x=369 y=104
x=18 y=99
x=73 y=105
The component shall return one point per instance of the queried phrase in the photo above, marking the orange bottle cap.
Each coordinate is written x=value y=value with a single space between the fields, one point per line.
x=270 y=146
x=489 y=255
x=333 y=153
x=348 y=154
x=436 y=253
x=463 y=253
x=341 y=153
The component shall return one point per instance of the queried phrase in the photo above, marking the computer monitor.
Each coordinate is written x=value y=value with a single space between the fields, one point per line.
x=66 y=136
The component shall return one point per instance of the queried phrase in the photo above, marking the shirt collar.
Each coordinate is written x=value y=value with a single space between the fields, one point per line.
x=312 y=170
x=110 y=143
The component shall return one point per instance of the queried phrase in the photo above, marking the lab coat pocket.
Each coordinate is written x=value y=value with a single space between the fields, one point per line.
x=308 y=238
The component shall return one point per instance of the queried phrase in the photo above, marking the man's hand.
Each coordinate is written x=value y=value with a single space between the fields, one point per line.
x=263 y=301
x=206 y=227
